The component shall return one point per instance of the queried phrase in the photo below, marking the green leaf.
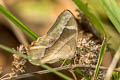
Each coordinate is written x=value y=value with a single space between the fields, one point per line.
x=115 y=76
x=101 y=54
x=35 y=61
x=113 y=12
x=6 y=13
x=77 y=70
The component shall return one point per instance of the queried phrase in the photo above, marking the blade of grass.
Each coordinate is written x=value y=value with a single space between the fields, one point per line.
x=6 y=13
x=113 y=65
x=113 y=11
x=91 y=17
x=35 y=61
x=101 y=54
x=112 y=34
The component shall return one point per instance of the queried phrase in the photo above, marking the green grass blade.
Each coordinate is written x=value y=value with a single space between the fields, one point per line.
x=96 y=9
x=91 y=17
x=6 y=13
x=36 y=61
x=113 y=12
x=101 y=54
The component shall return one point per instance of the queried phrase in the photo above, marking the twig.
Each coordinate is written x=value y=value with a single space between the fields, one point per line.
x=59 y=69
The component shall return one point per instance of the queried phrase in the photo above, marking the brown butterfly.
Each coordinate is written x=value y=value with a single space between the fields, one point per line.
x=58 y=43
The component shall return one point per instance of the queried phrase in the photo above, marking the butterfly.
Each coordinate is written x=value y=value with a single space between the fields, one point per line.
x=59 y=42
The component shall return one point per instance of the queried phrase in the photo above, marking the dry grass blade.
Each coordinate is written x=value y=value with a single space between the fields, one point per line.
x=113 y=65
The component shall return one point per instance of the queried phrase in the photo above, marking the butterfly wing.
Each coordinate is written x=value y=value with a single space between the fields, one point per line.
x=65 y=46
x=58 y=43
